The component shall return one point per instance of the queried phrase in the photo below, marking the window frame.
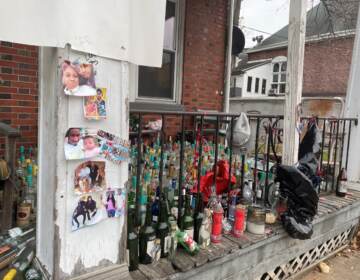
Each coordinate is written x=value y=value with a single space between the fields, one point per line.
x=249 y=84
x=257 y=84
x=263 y=86
x=178 y=63
x=280 y=61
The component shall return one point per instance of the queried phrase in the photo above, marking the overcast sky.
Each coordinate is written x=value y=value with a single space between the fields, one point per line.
x=267 y=16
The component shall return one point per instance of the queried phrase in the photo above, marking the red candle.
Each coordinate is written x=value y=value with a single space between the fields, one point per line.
x=239 y=223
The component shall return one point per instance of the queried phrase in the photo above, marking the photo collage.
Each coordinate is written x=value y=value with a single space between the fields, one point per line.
x=96 y=199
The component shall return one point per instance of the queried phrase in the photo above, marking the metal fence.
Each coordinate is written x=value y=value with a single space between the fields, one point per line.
x=198 y=135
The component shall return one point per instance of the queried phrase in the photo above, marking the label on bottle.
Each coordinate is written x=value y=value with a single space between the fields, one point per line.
x=127 y=256
x=190 y=232
x=342 y=187
x=150 y=248
x=155 y=219
x=167 y=244
x=32 y=274
x=174 y=212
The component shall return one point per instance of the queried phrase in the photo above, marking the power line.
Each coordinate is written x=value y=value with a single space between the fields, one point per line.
x=264 y=32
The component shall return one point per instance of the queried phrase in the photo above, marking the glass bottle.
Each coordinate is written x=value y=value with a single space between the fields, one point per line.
x=132 y=241
x=187 y=219
x=162 y=231
x=198 y=218
x=341 y=188
x=147 y=236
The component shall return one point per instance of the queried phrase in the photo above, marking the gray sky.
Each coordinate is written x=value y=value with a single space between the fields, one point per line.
x=267 y=16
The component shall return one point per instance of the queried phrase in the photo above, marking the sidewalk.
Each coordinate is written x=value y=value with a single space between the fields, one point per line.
x=343 y=266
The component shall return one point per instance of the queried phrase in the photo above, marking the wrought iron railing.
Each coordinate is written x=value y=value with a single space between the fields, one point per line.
x=200 y=134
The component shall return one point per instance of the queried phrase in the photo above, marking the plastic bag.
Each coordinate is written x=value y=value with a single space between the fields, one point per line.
x=222 y=180
x=241 y=131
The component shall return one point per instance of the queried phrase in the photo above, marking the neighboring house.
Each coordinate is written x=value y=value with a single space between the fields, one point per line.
x=330 y=31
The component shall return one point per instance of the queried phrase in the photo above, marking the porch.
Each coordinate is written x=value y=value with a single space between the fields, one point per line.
x=274 y=255
x=269 y=257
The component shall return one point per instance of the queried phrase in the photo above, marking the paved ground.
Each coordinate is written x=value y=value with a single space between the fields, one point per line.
x=343 y=266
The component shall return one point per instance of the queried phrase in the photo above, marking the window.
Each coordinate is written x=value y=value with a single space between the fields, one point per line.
x=249 y=82
x=257 y=82
x=263 y=87
x=278 y=84
x=164 y=84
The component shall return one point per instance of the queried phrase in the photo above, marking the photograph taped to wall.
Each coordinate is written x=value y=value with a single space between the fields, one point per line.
x=88 y=211
x=90 y=177
x=78 y=79
x=95 y=106
x=113 y=138
x=112 y=147
x=114 y=201
x=81 y=143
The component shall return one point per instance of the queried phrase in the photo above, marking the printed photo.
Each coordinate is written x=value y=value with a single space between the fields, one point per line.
x=113 y=138
x=78 y=79
x=81 y=143
x=88 y=211
x=114 y=201
x=114 y=152
x=112 y=147
x=95 y=106
x=90 y=177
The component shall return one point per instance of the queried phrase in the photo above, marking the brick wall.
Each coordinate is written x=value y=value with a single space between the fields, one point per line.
x=204 y=54
x=204 y=59
x=19 y=91
x=326 y=66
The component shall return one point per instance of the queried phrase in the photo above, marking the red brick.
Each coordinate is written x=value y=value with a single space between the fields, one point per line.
x=326 y=65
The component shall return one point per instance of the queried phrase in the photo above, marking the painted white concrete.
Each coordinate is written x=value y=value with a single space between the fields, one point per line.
x=295 y=68
x=99 y=244
x=261 y=72
x=352 y=108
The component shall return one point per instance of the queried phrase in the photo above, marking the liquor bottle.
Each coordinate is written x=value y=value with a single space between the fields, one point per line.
x=232 y=207
x=32 y=274
x=155 y=208
x=147 y=238
x=173 y=230
x=187 y=219
x=132 y=242
x=341 y=188
x=163 y=232
x=174 y=209
x=198 y=218
x=204 y=233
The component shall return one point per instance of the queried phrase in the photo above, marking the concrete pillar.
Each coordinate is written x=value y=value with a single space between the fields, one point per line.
x=92 y=252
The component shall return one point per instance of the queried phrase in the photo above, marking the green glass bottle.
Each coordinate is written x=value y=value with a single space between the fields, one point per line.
x=147 y=238
x=187 y=219
x=132 y=241
x=198 y=217
x=163 y=231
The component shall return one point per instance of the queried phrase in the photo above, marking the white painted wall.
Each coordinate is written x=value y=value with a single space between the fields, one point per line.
x=352 y=109
x=102 y=244
x=261 y=72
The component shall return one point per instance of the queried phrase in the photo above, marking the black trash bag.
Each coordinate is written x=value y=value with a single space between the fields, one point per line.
x=311 y=141
x=302 y=201
x=297 y=230
x=309 y=153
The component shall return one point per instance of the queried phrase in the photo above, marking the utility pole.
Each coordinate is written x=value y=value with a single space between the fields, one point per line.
x=295 y=65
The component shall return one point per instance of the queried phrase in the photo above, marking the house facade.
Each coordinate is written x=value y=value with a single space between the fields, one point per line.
x=191 y=78
x=330 y=33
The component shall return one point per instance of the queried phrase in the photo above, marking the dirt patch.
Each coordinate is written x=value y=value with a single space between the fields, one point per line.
x=344 y=265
